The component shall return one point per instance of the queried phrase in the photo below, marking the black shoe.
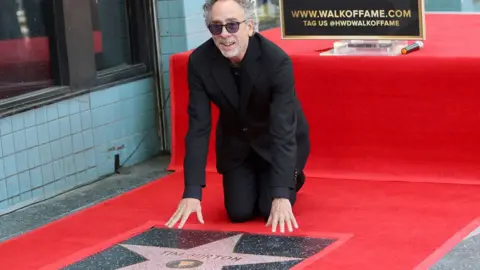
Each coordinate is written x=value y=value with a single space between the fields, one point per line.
x=300 y=180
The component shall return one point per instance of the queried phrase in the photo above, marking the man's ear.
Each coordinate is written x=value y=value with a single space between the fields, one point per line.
x=251 y=28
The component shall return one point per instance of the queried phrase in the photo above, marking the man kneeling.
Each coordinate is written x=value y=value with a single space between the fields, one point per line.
x=262 y=140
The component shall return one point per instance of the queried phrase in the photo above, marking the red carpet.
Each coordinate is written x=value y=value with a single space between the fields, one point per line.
x=392 y=225
x=412 y=118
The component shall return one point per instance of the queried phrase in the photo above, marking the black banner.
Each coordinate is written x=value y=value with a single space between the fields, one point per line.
x=353 y=19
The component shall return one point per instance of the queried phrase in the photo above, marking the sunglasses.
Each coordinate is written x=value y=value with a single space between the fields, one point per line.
x=231 y=27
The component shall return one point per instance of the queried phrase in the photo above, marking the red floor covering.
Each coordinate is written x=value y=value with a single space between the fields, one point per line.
x=392 y=225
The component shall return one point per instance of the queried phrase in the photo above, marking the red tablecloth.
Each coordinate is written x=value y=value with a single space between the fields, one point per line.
x=414 y=117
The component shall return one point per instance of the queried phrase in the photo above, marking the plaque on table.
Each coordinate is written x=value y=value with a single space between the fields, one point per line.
x=367 y=27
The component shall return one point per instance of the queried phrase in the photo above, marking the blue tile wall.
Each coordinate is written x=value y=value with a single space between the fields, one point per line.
x=51 y=149
x=452 y=6
x=443 y=5
x=182 y=27
x=470 y=6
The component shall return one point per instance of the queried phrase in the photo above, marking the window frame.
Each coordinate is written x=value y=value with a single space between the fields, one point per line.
x=73 y=57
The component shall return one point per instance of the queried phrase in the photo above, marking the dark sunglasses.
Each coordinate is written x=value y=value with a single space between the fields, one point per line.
x=231 y=27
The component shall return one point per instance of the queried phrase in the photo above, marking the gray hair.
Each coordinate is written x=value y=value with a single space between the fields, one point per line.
x=249 y=6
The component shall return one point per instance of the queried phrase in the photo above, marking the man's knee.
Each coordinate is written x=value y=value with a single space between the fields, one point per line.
x=240 y=213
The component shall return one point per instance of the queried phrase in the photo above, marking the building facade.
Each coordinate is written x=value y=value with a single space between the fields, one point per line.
x=78 y=94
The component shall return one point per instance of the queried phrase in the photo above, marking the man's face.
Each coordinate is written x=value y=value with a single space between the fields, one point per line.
x=233 y=44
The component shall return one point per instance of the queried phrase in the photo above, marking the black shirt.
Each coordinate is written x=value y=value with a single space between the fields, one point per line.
x=237 y=75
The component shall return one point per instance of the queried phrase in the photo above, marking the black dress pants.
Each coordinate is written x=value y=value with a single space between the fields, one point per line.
x=247 y=190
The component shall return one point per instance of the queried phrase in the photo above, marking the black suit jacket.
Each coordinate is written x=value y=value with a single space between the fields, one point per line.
x=266 y=116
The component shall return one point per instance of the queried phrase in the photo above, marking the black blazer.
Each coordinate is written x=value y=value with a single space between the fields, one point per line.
x=266 y=116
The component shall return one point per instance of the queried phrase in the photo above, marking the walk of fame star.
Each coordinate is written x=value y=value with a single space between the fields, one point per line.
x=161 y=248
x=210 y=256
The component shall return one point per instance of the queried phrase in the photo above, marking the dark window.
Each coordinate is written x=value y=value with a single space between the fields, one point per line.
x=56 y=49
x=111 y=33
x=26 y=35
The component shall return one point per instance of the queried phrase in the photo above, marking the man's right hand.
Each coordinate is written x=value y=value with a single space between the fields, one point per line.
x=184 y=209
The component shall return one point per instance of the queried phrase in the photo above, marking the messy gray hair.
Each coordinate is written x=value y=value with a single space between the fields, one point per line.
x=249 y=6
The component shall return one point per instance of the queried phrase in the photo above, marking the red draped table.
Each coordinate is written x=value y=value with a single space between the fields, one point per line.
x=414 y=117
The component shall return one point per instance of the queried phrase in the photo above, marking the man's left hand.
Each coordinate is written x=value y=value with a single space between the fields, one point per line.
x=280 y=214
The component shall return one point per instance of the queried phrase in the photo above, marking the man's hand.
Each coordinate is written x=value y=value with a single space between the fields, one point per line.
x=184 y=209
x=280 y=214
